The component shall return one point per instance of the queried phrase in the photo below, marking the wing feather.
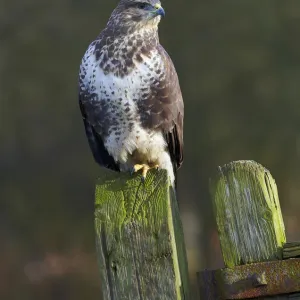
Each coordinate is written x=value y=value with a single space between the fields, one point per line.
x=100 y=154
x=164 y=108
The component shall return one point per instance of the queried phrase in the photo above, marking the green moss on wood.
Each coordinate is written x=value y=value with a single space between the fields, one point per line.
x=248 y=214
x=139 y=238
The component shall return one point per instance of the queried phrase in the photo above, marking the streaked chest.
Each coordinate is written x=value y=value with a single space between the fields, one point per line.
x=121 y=91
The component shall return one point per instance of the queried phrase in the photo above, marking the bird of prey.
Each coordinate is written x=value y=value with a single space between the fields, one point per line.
x=129 y=94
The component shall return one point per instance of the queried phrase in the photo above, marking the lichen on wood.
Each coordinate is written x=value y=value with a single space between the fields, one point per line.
x=248 y=214
x=139 y=237
x=252 y=238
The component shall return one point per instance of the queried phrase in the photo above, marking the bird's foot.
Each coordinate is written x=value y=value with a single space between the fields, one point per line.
x=145 y=168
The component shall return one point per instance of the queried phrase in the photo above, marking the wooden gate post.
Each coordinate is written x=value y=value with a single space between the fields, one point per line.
x=252 y=238
x=140 y=245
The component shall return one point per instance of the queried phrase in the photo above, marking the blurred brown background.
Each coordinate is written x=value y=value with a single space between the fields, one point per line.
x=239 y=68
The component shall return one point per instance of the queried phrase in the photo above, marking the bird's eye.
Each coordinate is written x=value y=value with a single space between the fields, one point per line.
x=142 y=5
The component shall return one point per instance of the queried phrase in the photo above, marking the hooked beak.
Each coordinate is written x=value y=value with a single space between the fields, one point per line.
x=159 y=11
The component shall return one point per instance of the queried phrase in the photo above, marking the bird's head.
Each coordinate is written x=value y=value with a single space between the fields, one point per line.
x=138 y=13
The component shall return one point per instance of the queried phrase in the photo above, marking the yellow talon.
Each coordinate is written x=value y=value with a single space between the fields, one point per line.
x=145 y=168
x=137 y=167
x=145 y=171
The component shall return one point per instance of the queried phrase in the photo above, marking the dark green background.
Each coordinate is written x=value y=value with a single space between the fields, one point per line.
x=239 y=68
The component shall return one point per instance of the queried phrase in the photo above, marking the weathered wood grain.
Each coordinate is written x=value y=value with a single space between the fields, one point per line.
x=139 y=238
x=248 y=214
x=291 y=250
x=251 y=230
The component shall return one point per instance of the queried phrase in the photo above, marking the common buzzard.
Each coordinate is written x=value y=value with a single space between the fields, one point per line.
x=129 y=93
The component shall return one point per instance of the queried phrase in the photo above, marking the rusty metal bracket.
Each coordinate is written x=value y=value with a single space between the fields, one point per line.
x=250 y=281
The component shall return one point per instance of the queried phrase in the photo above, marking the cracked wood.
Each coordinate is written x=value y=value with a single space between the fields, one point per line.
x=139 y=237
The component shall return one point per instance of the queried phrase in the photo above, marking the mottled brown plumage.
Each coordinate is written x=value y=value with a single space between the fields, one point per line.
x=129 y=93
